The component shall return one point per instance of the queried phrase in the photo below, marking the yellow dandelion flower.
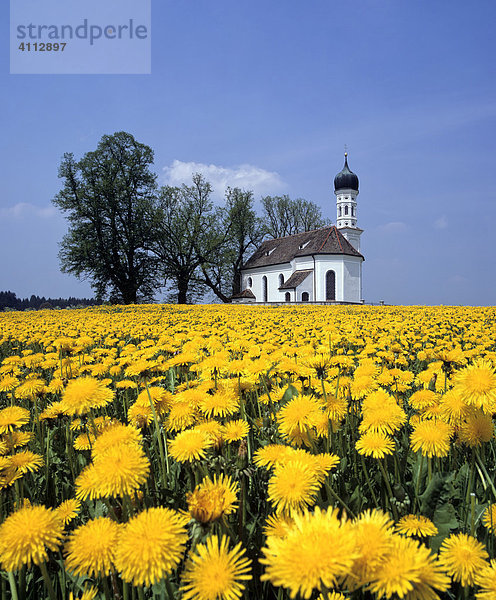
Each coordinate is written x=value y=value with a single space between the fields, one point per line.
x=463 y=557
x=68 y=510
x=293 y=486
x=477 y=385
x=13 y=417
x=416 y=526
x=114 y=435
x=271 y=455
x=486 y=580
x=220 y=404
x=453 y=408
x=181 y=416
x=235 y=431
x=26 y=461
x=298 y=415
x=26 y=536
x=489 y=518
x=212 y=499
x=84 y=441
x=432 y=438
x=151 y=545
x=90 y=548
x=477 y=428
x=30 y=388
x=213 y=572
x=8 y=383
x=410 y=571
x=318 y=550
x=375 y=444
x=277 y=525
x=381 y=413
x=190 y=445
x=85 y=393
x=17 y=439
x=422 y=399
x=373 y=534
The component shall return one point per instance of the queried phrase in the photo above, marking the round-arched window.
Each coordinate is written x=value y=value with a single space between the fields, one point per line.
x=250 y=282
x=264 y=288
x=305 y=297
x=287 y=297
x=281 y=280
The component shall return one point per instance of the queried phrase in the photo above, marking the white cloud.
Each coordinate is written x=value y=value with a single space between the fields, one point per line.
x=441 y=223
x=247 y=177
x=393 y=227
x=23 y=210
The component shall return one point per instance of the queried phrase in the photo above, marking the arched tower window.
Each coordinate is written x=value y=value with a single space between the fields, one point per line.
x=346 y=210
x=281 y=280
x=304 y=297
x=287 y=297
x=264 y=289
x=250 y=282
x=339 y=211
x=330 y=285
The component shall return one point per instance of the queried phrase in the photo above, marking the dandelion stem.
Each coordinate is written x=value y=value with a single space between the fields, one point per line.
x=48 y=582
x=336 y=497
x=13 y=587
x=369 y=484
x=389 y=490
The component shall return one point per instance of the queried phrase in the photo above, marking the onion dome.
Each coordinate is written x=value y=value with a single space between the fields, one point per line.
x=346 y=179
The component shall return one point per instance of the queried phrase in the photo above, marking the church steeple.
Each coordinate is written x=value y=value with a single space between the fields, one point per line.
x=346 y=190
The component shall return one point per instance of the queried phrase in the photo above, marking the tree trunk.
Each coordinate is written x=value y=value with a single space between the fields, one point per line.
x=182 y=291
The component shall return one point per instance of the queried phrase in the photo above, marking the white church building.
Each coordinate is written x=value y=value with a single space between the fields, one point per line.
x=324 y=265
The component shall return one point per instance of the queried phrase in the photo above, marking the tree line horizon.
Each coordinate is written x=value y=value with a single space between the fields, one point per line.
x=130 y=238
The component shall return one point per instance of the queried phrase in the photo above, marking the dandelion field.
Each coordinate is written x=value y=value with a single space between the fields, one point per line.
x=225 y=452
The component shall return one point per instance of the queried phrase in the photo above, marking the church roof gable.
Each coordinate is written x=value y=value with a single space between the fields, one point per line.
x=327 y=240
x=297 y=278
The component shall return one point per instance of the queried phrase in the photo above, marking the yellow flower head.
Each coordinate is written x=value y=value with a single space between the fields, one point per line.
x=463 y=557
x=13 y=417
x=85 y=393
x=432 y=438
x=375 y=444
x=190 y=445
x=27 y=535
x=477 y=385
x=410 y=571
x=318 y=550
x=213 y=572
x=212 y=499
x=293 y=486
x=151 y=545
x=90 y=548
x=416 y=526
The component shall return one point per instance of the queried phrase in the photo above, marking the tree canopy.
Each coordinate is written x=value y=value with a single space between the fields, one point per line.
x=108 y=198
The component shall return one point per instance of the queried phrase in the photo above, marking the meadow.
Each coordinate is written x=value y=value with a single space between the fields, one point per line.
x=224 y=452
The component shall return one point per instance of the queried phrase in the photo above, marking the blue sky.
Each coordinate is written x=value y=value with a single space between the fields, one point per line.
x=264 y=95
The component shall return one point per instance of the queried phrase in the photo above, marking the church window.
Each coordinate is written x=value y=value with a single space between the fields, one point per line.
x=346 y=210
x=287 y=297
x=264 y=289
x=250 y=282
x=339 y=211
x=330 y=285
x=305 y=297
x=281 y=280
x=352 y=211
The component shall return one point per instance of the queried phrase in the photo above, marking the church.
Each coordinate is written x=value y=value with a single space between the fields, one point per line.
x=324 y=265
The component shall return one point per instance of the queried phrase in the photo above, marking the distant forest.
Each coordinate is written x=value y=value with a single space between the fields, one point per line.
x=10 y=300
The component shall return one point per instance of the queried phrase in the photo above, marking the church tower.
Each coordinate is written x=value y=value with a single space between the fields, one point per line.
x=346 y=190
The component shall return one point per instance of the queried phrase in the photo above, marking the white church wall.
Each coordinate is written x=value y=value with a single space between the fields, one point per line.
x=323 y=264
x=272 y=273
x=353 y=279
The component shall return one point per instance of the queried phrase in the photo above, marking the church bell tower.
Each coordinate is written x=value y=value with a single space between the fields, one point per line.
x=346 y=190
